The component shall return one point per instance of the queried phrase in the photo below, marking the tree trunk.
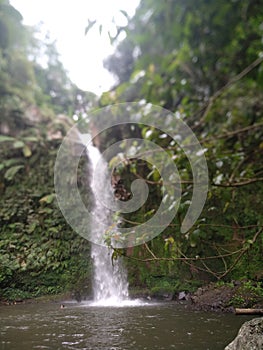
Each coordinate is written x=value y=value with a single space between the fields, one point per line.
x=249 y=311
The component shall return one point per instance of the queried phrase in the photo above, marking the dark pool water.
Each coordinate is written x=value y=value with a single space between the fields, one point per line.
x=85 y=327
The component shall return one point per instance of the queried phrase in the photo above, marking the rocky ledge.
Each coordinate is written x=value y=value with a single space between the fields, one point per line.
x=227 y=297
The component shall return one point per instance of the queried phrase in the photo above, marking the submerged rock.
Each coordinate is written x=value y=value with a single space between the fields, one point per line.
x=250 y=336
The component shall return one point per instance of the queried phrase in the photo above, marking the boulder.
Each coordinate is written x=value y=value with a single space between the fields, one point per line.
x=250 y=336
x=182 y=296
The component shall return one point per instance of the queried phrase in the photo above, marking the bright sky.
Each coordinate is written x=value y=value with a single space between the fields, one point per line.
x=82 y=55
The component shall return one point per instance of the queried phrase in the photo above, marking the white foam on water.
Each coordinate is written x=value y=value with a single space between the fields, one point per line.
x=114 y=302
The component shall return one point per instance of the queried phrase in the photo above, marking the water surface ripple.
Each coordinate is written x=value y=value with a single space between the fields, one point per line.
x=142 y=327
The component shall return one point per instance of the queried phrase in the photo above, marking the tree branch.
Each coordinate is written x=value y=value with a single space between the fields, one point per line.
x=244 y=250
x=236 y=78
x=233 y=133
x=189 y=260
x=239 y=184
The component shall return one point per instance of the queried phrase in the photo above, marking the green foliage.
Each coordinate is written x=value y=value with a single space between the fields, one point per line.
x=39 y=253
x=247 y=294
x=203 y=61
x=11 y=172
x=254 y=288
x=28 y=86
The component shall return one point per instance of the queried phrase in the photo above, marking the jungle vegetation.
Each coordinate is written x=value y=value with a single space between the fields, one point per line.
x=201 y=59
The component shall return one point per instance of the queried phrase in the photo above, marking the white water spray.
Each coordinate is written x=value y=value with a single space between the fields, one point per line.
x=110 y=286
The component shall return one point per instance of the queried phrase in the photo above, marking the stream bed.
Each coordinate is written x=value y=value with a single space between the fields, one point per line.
x=140 y=327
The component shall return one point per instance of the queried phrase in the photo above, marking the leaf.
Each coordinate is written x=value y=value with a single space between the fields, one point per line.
x=114 y=161
x=89 y=26
x=27 y=151
x=9 y=162
x=48 y=198
x=31 y=139
x=156 y=175
x=225 y=207
x=125 y=14
x=169 y=242
x=10 y=173
x=4 y=138
x=18 y=144
x=32 y=227
x=149 y=213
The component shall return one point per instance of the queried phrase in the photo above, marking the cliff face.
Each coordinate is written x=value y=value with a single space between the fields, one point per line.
x=40 y=253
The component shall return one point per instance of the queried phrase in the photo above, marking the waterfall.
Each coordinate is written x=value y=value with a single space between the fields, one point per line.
x=110 y=286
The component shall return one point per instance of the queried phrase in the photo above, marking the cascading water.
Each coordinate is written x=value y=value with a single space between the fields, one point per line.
x=110 y=285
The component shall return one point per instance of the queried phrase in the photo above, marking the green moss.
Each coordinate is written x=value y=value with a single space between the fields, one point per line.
x=39 y=252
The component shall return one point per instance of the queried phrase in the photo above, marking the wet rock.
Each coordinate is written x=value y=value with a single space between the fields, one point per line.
x=250 y=336
x=167 y=296
x=161 y=295
x=183 y=296
x=77 y=296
